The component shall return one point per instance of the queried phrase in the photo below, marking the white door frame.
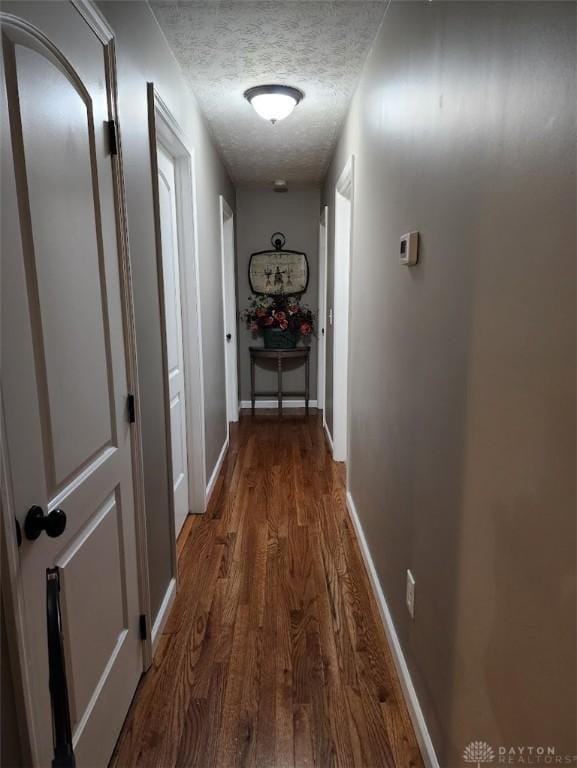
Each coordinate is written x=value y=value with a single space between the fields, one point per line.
x=11 y=586
x=341 y=309
x=322 y=324
x=229 y=316
x=165 y=129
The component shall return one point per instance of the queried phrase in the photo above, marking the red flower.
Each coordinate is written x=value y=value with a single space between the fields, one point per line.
x=282 y=312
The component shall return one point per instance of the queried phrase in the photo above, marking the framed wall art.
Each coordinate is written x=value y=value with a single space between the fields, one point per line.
x=279 y=270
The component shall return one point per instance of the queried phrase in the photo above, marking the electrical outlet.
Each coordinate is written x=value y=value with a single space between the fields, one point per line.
x=410 y=598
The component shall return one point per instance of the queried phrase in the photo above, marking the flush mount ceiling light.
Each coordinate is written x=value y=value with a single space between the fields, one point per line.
x=273 y=102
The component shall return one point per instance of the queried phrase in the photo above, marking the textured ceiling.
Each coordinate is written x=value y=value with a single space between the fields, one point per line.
x=225 y=47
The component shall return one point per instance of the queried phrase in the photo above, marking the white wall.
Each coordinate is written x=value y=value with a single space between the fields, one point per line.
x=143 y=56
x=260 y=212
x=463 y=462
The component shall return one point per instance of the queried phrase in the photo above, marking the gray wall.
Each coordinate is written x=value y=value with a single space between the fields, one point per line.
x=462 y=374
x=143 y=56
x=260 y=212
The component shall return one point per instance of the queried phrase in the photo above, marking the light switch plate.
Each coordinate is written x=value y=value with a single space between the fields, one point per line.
x=409 y=249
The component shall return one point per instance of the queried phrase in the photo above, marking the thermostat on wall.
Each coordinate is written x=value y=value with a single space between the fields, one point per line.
x=409 y=249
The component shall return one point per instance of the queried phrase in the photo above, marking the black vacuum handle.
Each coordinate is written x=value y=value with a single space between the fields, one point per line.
x=61 y=726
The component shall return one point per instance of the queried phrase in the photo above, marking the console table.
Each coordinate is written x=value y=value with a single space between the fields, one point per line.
x=280 y=355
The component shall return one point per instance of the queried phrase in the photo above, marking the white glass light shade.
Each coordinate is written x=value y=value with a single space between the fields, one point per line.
x=273 y=106
x=273 y=102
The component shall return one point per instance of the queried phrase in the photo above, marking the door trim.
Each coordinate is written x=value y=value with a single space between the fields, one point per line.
x=232 y=404
x=11 y=588
x=126 y=285
x=322 y=346
x=95 y=20
x=343 y=247
x=165 y=129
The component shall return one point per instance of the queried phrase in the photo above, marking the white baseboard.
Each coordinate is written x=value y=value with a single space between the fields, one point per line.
x=328 y=435
x=274 y=403
x=215 y=473
x=415 y=711
x=163 y=612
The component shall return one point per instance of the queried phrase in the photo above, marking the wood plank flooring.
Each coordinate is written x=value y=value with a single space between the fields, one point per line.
x=273 y=654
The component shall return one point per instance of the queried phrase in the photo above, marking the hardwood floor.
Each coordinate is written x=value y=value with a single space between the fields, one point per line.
x=273 y=654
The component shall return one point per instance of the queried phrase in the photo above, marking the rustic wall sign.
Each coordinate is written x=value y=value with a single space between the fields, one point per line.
x=278 y=271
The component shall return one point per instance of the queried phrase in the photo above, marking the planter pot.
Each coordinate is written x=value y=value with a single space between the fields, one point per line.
x=274 y=338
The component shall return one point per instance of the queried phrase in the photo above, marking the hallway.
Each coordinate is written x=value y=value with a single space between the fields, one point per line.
x=364 y=207
x=274 y=654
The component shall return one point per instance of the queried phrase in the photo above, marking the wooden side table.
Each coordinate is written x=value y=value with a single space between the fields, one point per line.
x=262 y=353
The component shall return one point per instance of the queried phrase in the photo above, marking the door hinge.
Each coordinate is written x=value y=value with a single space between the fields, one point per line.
x=112 y=137
x=143 y=626
x=131 y=407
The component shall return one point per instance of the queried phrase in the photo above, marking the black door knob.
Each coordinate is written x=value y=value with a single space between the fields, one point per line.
x=36 y=521
x=228 y=336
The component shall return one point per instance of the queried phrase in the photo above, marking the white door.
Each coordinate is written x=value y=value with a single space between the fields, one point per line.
x=229 y=310
x=321 y=377
x=64 y=383
x=173 y=330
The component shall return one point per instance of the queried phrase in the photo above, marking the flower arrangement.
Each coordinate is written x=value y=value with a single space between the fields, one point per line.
x=284 y=316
